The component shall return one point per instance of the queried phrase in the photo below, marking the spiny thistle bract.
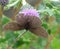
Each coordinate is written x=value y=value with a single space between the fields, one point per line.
x=29 y=20
x=4 y=2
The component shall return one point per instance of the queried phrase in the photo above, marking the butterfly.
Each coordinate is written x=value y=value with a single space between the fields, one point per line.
x=29 y=20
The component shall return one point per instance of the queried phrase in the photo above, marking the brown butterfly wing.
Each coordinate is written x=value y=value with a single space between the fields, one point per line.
x=13 y=26
x=21 y=19
x=39 y=32
x=35 y=22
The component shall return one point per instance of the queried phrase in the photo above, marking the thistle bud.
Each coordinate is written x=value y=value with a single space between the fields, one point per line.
x=4 y=2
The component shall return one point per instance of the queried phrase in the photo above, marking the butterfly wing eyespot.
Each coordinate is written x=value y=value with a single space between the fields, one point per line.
x=39 y=32
x=13 y=26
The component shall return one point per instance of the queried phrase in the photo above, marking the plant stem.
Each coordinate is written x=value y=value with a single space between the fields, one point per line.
x=21 y=35
x=1 y=13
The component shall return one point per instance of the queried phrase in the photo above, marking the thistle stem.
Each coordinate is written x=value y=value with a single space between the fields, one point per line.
x=1 y=13
x=21 y=35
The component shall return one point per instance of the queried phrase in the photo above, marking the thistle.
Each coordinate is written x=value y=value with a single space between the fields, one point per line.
x=29 y=20
x=4 y=2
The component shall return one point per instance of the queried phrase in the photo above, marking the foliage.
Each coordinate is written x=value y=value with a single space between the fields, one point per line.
x=49 y=14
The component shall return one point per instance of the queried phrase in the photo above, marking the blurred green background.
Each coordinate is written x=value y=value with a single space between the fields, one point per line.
x=49 y=14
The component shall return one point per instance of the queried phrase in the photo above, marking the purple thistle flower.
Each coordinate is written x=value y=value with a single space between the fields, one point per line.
x=31 y=12
x=29 y=20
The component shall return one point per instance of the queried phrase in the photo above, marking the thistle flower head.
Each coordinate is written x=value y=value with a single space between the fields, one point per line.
x=31 y=12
